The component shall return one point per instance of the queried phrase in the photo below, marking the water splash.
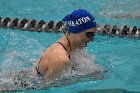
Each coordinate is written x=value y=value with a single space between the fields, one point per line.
x=82 y=69
x=84 y=63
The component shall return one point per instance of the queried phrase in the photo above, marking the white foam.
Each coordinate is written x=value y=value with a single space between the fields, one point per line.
x=82 y=69
x=82 y=63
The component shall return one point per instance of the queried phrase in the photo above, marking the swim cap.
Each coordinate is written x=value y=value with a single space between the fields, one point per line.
x=79 y=21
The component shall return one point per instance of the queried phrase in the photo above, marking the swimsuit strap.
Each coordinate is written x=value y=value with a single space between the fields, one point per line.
x=63 y=47
x=68 y=41
x=37 y=69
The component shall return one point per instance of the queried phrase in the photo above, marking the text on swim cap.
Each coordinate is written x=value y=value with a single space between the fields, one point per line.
x=79 y=21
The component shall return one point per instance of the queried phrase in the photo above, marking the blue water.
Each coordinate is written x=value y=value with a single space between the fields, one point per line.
x=120 y=56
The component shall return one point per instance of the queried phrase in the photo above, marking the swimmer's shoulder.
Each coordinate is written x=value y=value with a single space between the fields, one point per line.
x=57 y=50
x=56 y=53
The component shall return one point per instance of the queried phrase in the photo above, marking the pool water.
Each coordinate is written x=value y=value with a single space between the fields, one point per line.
x=120 y=56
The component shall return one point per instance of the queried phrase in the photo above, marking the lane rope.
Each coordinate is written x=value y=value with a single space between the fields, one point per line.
x=60 y=26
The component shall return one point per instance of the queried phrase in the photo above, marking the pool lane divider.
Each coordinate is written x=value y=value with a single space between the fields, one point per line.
x=60 y=26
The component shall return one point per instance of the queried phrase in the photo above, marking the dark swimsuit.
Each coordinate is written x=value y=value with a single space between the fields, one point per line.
x=39 y=75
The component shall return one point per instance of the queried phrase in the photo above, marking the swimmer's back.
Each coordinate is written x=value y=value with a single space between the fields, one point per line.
x=53 y=61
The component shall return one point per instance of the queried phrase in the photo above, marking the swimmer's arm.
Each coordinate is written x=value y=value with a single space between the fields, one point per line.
x=55 y=69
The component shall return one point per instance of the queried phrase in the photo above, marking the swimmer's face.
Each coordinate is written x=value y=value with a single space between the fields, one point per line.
x=90 y=34
x=87 y=36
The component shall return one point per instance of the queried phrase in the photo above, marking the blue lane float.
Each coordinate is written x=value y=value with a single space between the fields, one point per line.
x=60 y=26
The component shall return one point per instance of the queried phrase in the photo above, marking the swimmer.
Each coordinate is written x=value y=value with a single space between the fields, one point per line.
x=57 y=57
